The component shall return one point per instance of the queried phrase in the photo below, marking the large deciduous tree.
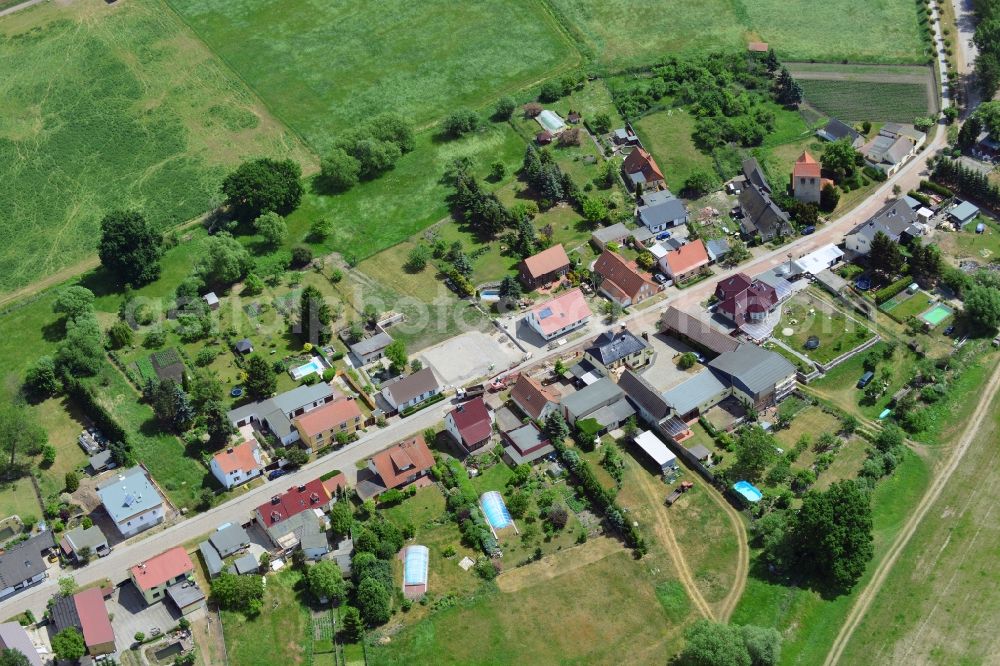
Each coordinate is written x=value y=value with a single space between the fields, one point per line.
x=223 y=260
x=840 y=157
x=261 y=185
x=832 y=533
x=130 y=249
x=982 y=307
x=326 y=582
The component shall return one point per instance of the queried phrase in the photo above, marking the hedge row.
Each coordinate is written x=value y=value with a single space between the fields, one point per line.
x=885 y=293
x=121 y=442
x=423 y=405
x=935 y=188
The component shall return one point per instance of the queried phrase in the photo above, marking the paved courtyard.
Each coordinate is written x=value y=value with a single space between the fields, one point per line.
x=471 y=355
x=664 y=373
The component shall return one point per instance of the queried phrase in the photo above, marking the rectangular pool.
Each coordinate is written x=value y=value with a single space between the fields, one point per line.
x=937 y=314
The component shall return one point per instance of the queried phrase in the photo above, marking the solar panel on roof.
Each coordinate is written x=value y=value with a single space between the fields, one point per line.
x=545 y=313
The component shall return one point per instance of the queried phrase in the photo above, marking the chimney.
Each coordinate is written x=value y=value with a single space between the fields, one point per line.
x=229 y=450
x=302 y=489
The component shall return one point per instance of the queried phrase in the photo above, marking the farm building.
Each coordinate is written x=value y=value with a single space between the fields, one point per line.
x=700 y=333
x=656 y=450
x=894 y=145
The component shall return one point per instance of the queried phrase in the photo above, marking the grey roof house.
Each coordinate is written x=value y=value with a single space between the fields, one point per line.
x=896 y=220
x=835 y=130
x=79 y=538
x=276 y=414
x=611 y=350
x=762 y=216
x=371 y=349
x=764 y=377
x=412 y=389
x=229 y=540
x=24 y=564
x=666 y=212
x=132 y=501
x=602 y=401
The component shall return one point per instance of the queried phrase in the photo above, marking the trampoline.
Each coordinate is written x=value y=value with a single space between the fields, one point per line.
x=495 y=510
x=415 y=561
x=748 y=491
x=812 y=342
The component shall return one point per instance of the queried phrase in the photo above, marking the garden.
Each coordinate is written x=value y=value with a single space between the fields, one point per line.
x=816 y=329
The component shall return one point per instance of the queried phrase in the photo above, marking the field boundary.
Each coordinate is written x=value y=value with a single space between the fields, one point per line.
x=865 y=598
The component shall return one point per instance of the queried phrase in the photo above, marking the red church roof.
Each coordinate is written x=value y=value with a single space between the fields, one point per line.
x=806 y=167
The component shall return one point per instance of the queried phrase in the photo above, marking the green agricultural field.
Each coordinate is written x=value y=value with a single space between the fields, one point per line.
x=862 y=100
x=112 y=105
x=321 y=67
x=938 y=596
x=626 y=32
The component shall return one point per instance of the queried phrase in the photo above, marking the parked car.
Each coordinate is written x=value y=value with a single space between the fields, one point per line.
x=660 y=278
x=948 y=331
x=663 y=235
x=276 y=474
x=866 y=379
x=811 y=229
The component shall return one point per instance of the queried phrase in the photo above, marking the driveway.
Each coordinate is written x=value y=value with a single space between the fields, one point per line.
x=130 y=614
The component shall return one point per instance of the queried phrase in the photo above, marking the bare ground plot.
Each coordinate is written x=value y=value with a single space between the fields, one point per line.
x=939 y=604
x=471 y=355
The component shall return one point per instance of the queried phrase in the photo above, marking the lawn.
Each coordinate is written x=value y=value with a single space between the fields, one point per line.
x=279 y=635
x=709 y=542
x=812 y=421
x=808 y=622
x=904 y=306
x=18 y=498
x=861 y=100
x=62 y=422
x=667 y=135
x=113 y=106
x=798 y=29
x=564 y=619
x=937 y=597
x=967 y=244
x=323 y=67
x=808 y=316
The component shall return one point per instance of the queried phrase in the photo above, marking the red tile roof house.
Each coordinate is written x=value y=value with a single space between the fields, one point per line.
x=622 y=280
x=320 y=427
x=546 y=266
x=238 y=464
x=403 y=463
x=686 y=262
x=85 y=611
x=533 y=399
x=292 y=502
x=559 y=315
x=807 y=179
x=155 y=575
x=471 y=424
x=640 y=169
x=743 y=299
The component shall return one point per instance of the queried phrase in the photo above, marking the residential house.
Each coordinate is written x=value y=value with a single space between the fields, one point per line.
x=238 y=464
x=412 y=390
x=613 y=350
x=305 y=530
x=699 y=333
x=760 y=214
x=624 y=136
x=835 y=130
x=86 y=540
x=686 y=262
x=661 y=211
x=657 y=451
x=276 y=517
x=470 y=424
x=276 y=414
x=547 y=266
x=896 y=220
x=717 y=249
x=602 y=401
x=622 y=280
x=755 y=374
x=321 y=426
x=743 y=300
x=641 y=171
x=87 y=613
x=155 y=575
x=132 y=501
x=807 y=179
x=894 y=146
x=962 y=213
x=402 y=464
x=14 y=637
x=372 y=348
x=559 y=315
x=525 y=445
x=23 y=564
x=616 y=233
x=533 y=399
x=229 y=540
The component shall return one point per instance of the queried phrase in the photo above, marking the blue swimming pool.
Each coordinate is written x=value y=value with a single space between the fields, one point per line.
x=495 y=510
x=313 y=366
x=748 y=491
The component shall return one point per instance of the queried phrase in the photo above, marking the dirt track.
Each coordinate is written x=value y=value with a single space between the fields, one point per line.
x=864 y=599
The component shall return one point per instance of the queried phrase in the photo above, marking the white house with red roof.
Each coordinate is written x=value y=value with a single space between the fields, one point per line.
x=238 y=464
x=471 y=424
x=155 y=575
x=559 y=315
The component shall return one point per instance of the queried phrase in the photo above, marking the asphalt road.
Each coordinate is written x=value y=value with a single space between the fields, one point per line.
x=115 y=566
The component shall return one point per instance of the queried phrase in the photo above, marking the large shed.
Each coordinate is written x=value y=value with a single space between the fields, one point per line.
x=653 y=447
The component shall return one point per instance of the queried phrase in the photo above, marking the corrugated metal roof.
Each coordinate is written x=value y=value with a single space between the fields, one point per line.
x=690 y=394
x=757 y=369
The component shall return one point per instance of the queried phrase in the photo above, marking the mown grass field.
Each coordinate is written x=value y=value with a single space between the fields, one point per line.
x=939 y=598
x=322 y=67
x=279 y=634
x=112 y=106
x=862 y=100
x=667 y=135
x=807 y=621
x=856 y=30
